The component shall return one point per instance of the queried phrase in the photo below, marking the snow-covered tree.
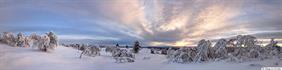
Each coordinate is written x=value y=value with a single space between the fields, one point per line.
x=136 y=47
x=34 y=40
x=121 y=55
x=9 y=38
x=44 y=43
x=53 y=39
x=220 y=48
x=245 y=41
x=20 y=40
x=202 y=51
x=247 y=49
x=182 y=55
x=273 y=47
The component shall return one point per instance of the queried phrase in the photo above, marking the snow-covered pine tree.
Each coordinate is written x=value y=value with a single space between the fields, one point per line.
x=20 y=40
x=136 y=47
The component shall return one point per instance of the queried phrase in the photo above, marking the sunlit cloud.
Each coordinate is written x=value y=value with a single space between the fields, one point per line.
x=154 y=22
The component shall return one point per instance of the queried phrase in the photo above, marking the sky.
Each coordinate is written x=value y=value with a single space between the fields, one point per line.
x=152 y=22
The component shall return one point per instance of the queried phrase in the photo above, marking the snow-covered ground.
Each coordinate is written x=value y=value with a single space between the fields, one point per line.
x=64 y=58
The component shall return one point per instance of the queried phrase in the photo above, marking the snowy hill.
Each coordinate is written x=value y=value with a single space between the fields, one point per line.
x=64 y=58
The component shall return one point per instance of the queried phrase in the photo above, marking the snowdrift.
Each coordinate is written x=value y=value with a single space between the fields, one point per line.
x=64 y=58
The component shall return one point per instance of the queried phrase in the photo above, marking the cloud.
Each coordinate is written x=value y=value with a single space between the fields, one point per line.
x=81 y=37
x=154 y=22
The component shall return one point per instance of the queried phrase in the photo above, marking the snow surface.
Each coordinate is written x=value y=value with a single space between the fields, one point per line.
x=64 y=58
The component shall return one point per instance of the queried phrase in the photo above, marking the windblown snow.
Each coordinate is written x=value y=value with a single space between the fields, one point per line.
x=64 y=58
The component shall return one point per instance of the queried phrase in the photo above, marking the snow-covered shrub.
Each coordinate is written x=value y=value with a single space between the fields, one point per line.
x=202 y=53
x=232 y=58
x=8 y=38
x=53 y=39
x=273 y=48
x=1 y=37
x=255 y=52
x=111 y=49
x=90 y=51
x=245 y=41
x=22 y=41
x=170 y=53
x=34 y=39
x=242 y=48
x=123 y=56
x=156 y=51
x=182 y=55
x=44 y=43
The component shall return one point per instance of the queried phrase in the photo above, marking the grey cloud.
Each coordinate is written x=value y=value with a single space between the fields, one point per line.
x=131 y=20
